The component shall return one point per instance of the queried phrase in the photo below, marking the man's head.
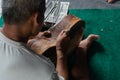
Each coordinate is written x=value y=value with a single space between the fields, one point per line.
x=18 y=12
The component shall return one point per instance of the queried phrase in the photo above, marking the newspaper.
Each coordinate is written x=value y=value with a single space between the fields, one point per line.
x=55 y=11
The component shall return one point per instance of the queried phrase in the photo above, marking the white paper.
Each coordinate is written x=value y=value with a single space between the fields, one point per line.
x=56 y=12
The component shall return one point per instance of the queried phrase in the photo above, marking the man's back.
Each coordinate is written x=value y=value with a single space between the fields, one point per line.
x=17 y=62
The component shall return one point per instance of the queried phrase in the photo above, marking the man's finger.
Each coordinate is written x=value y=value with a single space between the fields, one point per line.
x=45 y=33
x=64 y=33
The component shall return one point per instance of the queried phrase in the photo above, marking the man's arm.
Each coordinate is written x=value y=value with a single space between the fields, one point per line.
x=61 y=65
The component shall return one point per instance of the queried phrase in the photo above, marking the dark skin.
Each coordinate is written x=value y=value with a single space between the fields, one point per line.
x=79 y=70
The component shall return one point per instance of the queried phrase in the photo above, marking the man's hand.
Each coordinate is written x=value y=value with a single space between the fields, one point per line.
x=62 y=42
x=61 y=48
x=39 y=36
x=42 y=34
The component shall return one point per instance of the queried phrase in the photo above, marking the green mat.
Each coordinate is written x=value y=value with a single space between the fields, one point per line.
x=104 y=54
x=1 y=21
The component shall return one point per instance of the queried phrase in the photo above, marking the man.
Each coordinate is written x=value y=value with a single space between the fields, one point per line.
x=23 y=19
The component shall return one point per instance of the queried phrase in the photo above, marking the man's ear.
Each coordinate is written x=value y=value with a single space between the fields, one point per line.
x=35 y=18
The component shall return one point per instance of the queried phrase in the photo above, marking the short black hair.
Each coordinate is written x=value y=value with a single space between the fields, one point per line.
x=19 y=11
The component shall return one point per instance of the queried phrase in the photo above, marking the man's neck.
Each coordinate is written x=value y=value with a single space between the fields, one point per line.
x=13 y=33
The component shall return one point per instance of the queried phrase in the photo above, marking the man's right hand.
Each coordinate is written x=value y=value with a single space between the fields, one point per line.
x=62 y=42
